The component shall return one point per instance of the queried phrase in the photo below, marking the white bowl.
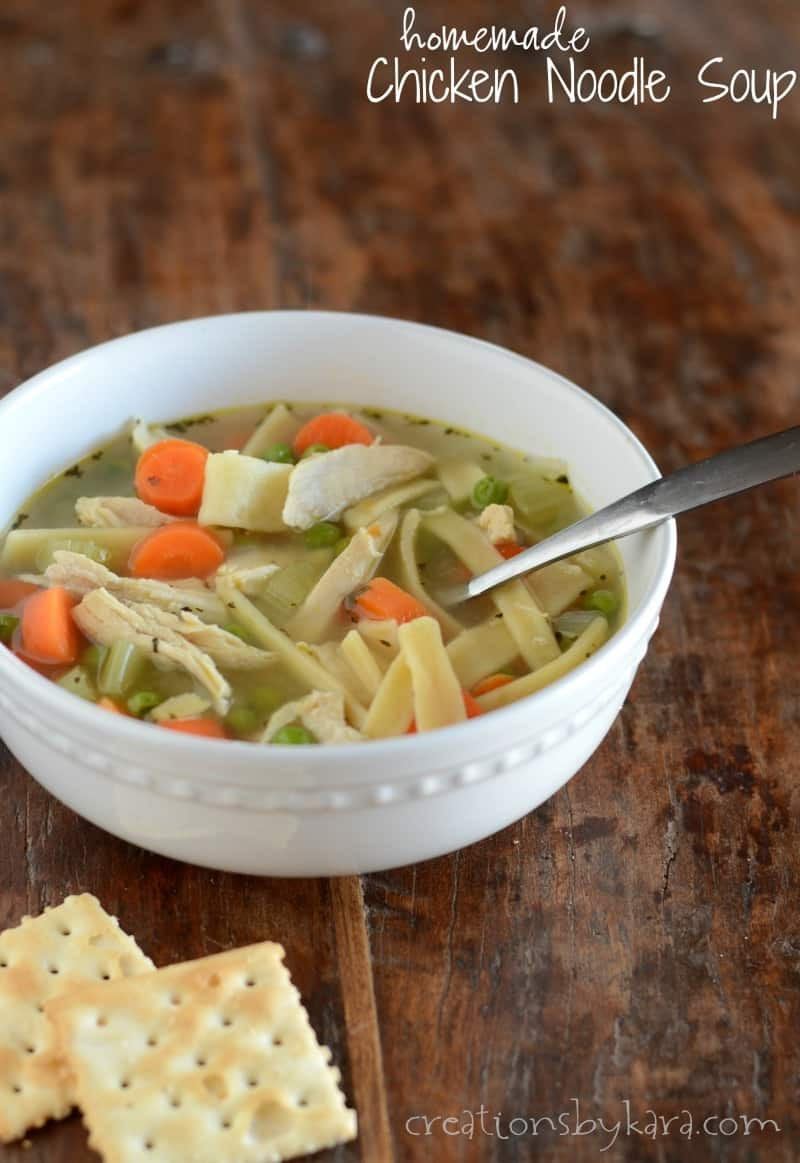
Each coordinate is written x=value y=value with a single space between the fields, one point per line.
x=309 y=811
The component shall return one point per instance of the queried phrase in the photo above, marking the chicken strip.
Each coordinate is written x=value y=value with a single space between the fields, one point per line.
x=80 y=574
x=106 y=620
x=323 y=486
x=117 y=512
x=497 y=522
x=352 y=569
x=321 y=713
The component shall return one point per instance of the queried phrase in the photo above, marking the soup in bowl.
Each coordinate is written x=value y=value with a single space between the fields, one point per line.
x=267 y=582
x=281 y=575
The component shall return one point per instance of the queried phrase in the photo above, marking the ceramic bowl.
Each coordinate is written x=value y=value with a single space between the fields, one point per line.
x=308 y=811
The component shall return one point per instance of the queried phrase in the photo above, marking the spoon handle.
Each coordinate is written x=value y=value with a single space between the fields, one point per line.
x=709 y=480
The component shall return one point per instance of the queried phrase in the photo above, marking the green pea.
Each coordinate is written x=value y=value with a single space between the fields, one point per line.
x=143 y=701
x=242 y=720
x=314 y=448
x=239 y=632
x=93 y=657
x=341 y=545
x=322 y=534
x=280 y=453
x=489 y=491
x=8 y=624
x=266 y=699
x=294 y=733
x=604 y=601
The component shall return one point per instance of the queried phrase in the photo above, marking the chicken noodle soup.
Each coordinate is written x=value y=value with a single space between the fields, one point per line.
x=279 y=575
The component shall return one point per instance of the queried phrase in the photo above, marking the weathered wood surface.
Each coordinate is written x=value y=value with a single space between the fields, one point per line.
x=637 y=937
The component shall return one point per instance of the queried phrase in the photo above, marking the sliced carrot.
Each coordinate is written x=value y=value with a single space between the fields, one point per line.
x=171 y=474
x=508 y=549
x=176 y=551
x=12 y=592
x=491 y=683
x=383 y=600
x=111 y=705
x=48 y=632
x=334 y=430
x=470 y=706
x=208 y=728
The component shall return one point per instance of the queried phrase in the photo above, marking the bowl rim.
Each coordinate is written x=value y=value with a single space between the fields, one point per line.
x=635 y=630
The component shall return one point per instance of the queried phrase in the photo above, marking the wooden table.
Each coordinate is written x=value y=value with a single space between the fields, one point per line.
x=636 y=938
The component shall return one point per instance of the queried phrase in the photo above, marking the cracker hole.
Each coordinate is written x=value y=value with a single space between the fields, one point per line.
x=200 y=1062
x=3 y=963
x=152 y=1040
x=226 y=1021
x=102 y=1021
x=175 y=1101
x=30 y=1049
x=216 y=1085
x=65 y=932
x=270 y=1120
x=53 y=969
x=214 y=980
x=249 y=982
x=175 y=999
x=226 y=1124
x=124 y=1083
x=252 y=1081
x=302 y=1100
x=105 y=976
x=16 y=1088
x=149 y=1144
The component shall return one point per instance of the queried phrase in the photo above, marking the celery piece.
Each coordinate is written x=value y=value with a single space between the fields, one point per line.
x=79 y=682
x=572 y=623
x=8 y=624
x=93 y=657
x=604 y=601
x=92 y=549
x=121 y=669
x=285 y=590
x=25 y=550
x=540 y=502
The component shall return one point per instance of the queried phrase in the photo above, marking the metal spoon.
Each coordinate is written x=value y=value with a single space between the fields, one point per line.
x=698 y=484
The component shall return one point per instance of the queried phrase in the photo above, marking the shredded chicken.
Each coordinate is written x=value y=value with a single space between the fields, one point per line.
x=352 y=569
x=144 y=435
x=323 y=486
x=224 y=648
x=106 y=620
x=247 y=573
x=117 y=512
x=497 y=522
x=80 y=574
x=184 y=706
x=321 y=713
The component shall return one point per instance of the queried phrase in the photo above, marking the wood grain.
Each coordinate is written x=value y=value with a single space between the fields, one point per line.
x=637 y=938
